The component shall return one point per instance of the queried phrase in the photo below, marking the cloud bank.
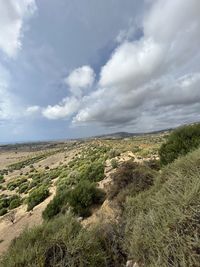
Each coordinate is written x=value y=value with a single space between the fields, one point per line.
x=147 y=83
x=12 y=16
x=155 y=71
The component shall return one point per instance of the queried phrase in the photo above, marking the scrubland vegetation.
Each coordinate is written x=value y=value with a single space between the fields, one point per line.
x=180 y=142
x=162 y=224
x=158 y=203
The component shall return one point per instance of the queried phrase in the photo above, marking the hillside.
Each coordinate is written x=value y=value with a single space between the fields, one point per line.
x=102 y=202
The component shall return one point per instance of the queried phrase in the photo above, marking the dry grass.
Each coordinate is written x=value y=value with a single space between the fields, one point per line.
x=162 y=224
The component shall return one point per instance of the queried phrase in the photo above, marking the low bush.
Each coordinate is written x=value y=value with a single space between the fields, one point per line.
x=16 y=183
x=2 y=179
x=130 y=178
x=55 y=206
x=136 y=149
x=3 y=211
x=23 y=188
x=114 y=163
x=4 y=201
x=83 y=197
x=93 y=172
x=37 y=196
x=179 y=143
x=24 y=163
x=15 y=203
x=113 y=153
x=9 y=202
x=60 y=242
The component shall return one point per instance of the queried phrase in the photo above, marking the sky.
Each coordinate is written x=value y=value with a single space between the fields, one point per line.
x=77 y=68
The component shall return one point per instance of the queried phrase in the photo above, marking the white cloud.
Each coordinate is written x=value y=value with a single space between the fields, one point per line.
x=65 y=108
x=151 y=82
x=132 y=64
x=12 y=16
x=161 y=69
x=33 y=110
x=80 y=78
x=10 y=107
x=130 y=32
x=183 y=91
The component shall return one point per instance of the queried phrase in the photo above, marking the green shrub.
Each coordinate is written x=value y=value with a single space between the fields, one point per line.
x=16 y=183
x=55 y=206
x=5 y=201
x=114 y=163
x=37 y=196
x=2 y=179
x=113 y=153
x=24 y=163
x=11 y=186
x=3 y=211
x=32 y=184
x=179 y=143
x=93 y=172
x=136 y=149
x=130 y=177
x=83 y=197
x=23 y=188
x=162 y=224
x=60 y=242
x=15 y=203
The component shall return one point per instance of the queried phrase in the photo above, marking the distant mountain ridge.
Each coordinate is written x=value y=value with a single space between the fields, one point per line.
x=118 y=135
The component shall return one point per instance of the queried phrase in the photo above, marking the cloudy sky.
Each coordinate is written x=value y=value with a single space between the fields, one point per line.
x=75 y=68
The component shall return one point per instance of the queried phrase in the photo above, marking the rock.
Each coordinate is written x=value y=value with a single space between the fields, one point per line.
x=130 y=263
x=79 y=219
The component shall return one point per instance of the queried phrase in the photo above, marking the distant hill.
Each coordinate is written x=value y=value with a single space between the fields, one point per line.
x=120 y=135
